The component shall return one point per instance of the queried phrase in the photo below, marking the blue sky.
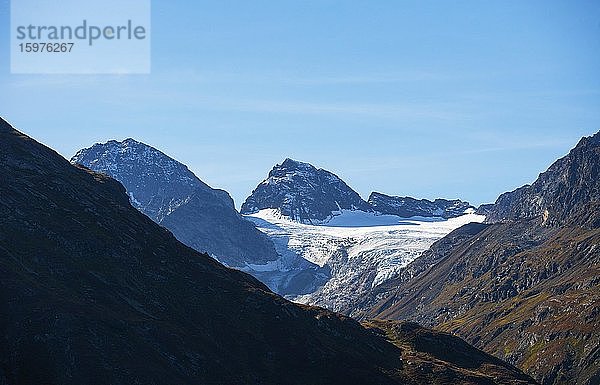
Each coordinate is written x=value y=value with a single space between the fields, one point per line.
x=456 y=99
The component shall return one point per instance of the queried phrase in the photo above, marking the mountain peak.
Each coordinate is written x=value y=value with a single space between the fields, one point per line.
x=559 y=194
x=145 y=172
x=132 y=144
x=169 y=193
x=302 y=192
x=292 y=164
x=592 y=140
x=408 y=207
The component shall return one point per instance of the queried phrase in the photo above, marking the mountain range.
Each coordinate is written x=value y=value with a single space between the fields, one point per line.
x=310 y=195
x=313 y=214
x=524 y=286
x=294 y=266
x=407 y=207
x=198 y=215
x=94 y=291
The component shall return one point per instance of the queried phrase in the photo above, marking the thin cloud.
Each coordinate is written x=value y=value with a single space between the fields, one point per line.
x=522 y=145
x=399 y=111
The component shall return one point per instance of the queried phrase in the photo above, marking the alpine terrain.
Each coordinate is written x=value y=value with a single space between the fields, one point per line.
x=312 y=214
x=93 y=291
x=198 y=215
x=526 y=285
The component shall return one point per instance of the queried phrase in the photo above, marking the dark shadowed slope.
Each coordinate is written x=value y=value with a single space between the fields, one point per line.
x=526 y=289
x=94 y=292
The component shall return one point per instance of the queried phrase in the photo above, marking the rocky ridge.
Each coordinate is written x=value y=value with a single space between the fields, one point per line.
x=525 y=287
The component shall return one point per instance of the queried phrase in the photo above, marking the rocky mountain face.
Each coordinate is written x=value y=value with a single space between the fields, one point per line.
x=525 y=287
x=309 y=195
x=560 y=192
x=484 y=209
x=170 y=194
x=407 y=207
x=92 y=290
x=303 y=193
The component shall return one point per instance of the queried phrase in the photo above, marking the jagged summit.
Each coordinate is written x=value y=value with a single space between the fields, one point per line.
x=170 y=194
x=561 y=193
x=296 y=164
x=156 y=183
x=592 y=140
x=303 y=193
x=409 y=207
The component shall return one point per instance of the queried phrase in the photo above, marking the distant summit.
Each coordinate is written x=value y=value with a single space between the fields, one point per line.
x=303 y=193
x=409 y=207
x=156 y=184
x=170 y=194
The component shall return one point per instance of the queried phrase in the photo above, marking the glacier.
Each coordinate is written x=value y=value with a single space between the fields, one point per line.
x=359 y=249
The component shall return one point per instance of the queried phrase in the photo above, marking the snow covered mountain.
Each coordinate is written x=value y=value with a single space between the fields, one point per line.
x=312 y=215
x=170 y=194
x=303 y=193
x=410 y=207
x=320 y=242
x=198 y=215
